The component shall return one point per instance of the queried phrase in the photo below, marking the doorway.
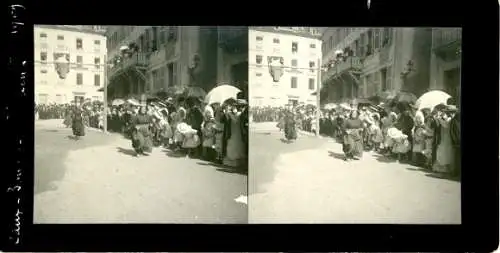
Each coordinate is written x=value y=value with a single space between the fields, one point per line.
x=383 y=79
x=170 y=75
x=452 y=82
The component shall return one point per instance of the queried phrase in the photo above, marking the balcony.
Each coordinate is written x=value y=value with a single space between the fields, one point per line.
x=446 y=37
x=137 y=60
x=351 y=64
x=233 y=39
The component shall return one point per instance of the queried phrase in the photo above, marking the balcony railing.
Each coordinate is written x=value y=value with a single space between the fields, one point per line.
x=351 y=63
x=137 y=59
x=445 y=36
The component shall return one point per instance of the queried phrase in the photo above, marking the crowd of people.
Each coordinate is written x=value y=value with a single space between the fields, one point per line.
x=428 y=138
x=92 y=113
x=187 y=126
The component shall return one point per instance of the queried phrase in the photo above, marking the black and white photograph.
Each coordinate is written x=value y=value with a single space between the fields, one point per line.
x=140 y=124
x=354 y=125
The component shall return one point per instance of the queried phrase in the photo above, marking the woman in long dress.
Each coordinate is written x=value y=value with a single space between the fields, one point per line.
x=444 y=152
x=77 y=123
x=290 y=126
x=142 y=141
x=353 y=137
x=235 y=155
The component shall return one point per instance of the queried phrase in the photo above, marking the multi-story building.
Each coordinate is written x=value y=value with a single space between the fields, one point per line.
x=375 y=59
x=162 y=55
x=83 y=48
x=299 y=49
x=446 y=60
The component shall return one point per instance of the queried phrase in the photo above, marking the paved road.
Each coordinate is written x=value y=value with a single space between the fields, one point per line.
x=97 y=180
x=308 y=182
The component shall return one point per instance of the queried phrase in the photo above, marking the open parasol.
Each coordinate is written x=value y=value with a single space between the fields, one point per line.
x=194 y=91
x=118 y=102
x=431 y=99
x=345 y=106
x=404 y=97
x=133 y=101
x=330 y=106
x=221 y=93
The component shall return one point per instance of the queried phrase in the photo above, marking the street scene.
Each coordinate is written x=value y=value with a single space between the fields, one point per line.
x=365 y=130
x=141 y=124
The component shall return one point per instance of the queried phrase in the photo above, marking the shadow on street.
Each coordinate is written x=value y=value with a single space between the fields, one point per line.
x=335 y=155
x=126 y=151
x=226 y=169
x=430 y=173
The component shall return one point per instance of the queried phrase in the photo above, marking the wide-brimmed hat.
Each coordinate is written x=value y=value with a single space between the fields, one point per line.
x=241 y=102
x=440 y=107
x=230 y=101
x=451 y=108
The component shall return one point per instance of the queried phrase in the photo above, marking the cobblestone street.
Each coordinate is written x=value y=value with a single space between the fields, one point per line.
x=308 y=182
x=97 y=180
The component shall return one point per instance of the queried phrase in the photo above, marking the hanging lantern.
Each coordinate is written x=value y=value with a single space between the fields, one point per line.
x=275 y=65
x=61 y=64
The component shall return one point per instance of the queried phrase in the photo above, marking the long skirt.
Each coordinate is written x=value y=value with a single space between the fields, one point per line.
x=78 y=128
x=353 y=145
x=142 y=141
x=67 y=121
x=290 y=131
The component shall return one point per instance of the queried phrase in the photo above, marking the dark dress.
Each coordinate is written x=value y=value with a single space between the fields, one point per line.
x=142 y=139
x=455 y=140
x=353 y=138
x=77 y=123
x=290 y=127
x=244 y=127
x=194 y=118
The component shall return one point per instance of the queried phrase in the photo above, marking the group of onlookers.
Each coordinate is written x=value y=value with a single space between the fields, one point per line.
x=429 y=138
x=187 y=126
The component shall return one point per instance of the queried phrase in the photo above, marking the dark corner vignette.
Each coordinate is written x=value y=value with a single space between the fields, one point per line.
x=18 y=70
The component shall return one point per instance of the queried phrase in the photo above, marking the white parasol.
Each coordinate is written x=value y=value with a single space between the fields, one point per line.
x=221 y=93
x=118 y=102
x=133 y=102
x=431 y=99
x=345 y=106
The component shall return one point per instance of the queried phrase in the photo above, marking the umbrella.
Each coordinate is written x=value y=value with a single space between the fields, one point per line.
x=221 y=93
x=118 y=102
x=133 y=101
x=405 y=97
x=330 y=106
x=364 y=101
x=345 y=106
x=175 y=90
x=194 y=91
x=431 y=99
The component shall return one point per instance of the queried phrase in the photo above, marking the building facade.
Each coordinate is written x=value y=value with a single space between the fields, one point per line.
x=446 y=61
x=84 y=48
x=299 y=48
x=163 y=56
x=375 y=60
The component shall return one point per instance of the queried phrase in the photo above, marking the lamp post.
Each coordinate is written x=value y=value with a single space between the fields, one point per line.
x=318 y=96
x=105 y=84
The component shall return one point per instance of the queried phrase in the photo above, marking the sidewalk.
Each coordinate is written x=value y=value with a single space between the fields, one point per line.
x=272 y=127
x=58 y=123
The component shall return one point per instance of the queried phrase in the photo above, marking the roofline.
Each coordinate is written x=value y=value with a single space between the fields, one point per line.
x=71 y=29
x=270 y=29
